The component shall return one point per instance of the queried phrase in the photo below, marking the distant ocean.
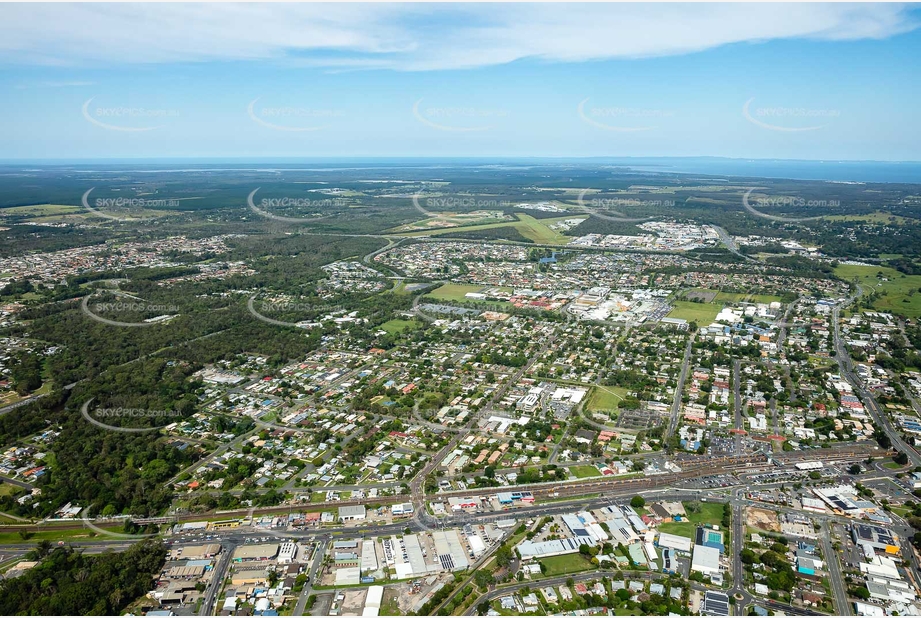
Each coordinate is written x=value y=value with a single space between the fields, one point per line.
x=838 y=171
x=833 y=171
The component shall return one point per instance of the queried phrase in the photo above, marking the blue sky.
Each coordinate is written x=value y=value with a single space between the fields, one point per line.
x=816 y=81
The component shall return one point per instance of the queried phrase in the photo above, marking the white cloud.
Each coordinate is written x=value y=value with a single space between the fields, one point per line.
x=415 y=36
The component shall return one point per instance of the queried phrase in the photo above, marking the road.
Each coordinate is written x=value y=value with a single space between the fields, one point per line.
x=842 y=606
x=845 y=365
x=737 y=402
x=738 y=541
x=217 y=578
x=312 y=575
x=679 y=389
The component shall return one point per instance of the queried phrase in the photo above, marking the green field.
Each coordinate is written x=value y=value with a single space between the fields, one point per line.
x=567 y=563
x=702 y=313
x=454 y=291
x=605 y=398
x=902 y=293
x=396 y=326
x=679 y=528
x=536 y=230
x=710 y=513
x=41 y=210
x=734 y=297
x=584 y=472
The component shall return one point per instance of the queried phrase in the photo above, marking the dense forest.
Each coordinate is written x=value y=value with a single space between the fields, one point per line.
x=69 y=583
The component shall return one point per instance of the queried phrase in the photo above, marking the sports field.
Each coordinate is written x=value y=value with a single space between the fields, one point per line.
x=453 y=291
x=702 y=313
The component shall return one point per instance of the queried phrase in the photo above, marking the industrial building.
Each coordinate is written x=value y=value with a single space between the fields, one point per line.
x=672 y=541
x=352 y=513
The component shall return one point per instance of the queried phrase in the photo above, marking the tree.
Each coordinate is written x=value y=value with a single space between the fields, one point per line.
x=637 y=502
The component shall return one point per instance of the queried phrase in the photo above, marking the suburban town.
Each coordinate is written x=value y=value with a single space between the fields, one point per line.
x=460 y=309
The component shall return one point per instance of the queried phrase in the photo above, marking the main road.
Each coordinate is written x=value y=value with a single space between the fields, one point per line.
x=845 y=365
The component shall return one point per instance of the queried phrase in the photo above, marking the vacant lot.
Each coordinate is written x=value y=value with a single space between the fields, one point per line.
x=679 y=528
x=584 y=472
x=605 y=398
x=398 y=326
x=901 y=293
x=568 y=563
x=535 y=230
x=762 y=519
x=735 y=297
x=453 y=291
x=41 y=210
x=702 y=313
x=704 y=512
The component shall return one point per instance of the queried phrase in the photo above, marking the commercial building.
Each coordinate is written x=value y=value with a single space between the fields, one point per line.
x=672 y=541
x=368 y=556
x=287 y=552
x=715 y=604
x=352 y=513
x=706 y=560
x=402 y=510
x=198 y=552
x=248 y=553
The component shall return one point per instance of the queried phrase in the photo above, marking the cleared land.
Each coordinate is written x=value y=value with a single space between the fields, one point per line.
x=679 y=528
x=398 y=326
x=702 y=313
x=584 y=472
x=900 y=293
x=536 y=230
x=605 y=398
x=41 y=210
x=567 y=563
x=707 y=513
x=453 y=291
